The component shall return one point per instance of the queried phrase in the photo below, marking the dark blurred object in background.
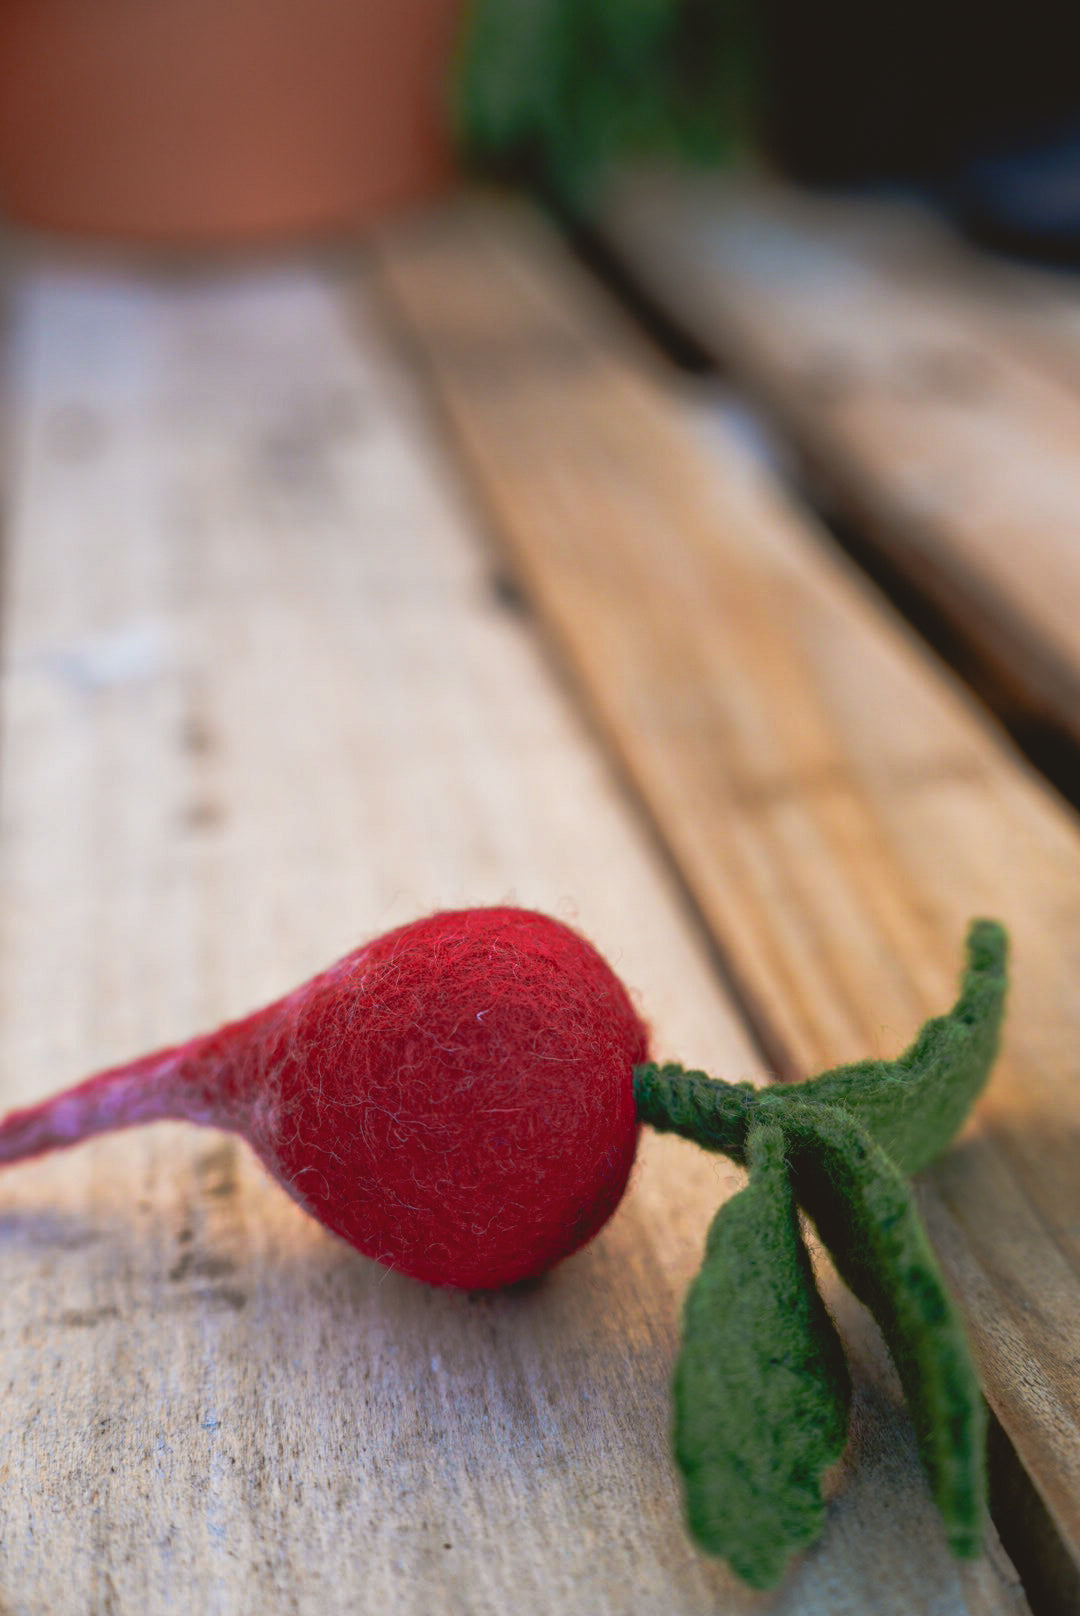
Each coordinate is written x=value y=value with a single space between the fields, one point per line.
x=980 y=103
x=1024 y=201
x=912 y=89
x=218 y=120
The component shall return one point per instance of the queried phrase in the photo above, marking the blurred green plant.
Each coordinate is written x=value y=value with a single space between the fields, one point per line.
x=555 y=92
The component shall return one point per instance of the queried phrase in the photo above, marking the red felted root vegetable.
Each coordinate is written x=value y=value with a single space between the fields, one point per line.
x=456 y=1098
x=461 y=1100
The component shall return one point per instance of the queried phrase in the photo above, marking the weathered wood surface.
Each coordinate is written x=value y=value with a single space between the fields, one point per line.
x=935 y=396
x=260 y=698
x=837 y=809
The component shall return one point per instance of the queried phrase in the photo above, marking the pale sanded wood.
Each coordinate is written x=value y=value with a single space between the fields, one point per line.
x=918 y=381
x=259 y=700
x=837 y=809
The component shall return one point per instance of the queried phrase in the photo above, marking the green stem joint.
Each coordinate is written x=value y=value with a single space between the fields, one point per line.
x=761 y=1388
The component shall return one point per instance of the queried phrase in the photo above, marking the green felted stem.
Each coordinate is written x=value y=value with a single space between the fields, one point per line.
x=911 y=1106
x=760 y=1381
x=761 y=1388
x=865 y=1215
x=914 y=1105
x=714 y=1114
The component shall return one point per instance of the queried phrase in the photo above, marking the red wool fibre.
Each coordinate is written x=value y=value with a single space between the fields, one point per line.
x=455 y=1098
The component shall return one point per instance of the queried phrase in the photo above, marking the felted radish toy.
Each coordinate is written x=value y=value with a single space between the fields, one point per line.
x=461 y=1099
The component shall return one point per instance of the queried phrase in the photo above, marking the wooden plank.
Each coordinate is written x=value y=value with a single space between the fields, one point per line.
x=1030 y=309
x=260 y=699
x=918 y=388
x=837 y=808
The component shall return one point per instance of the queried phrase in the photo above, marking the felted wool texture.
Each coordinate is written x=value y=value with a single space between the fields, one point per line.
x=867 y=1218
x=716 y=1115
x=911 y=1106
x=836 y=1145
x=914 y=1105
x=455 y=1099
x=761 y=1388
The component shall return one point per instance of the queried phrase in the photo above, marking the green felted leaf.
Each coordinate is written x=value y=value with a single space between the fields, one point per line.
x=866 y=1216
x=761 y=1388
x=914 y=1105
x=752 y=1442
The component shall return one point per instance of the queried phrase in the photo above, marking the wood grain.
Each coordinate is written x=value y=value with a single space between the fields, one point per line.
x=918 y=383
x=837 y=809
x=260 y=698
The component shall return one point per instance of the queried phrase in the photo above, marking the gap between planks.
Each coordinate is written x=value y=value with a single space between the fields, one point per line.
x=837 y=807
x=932 y=393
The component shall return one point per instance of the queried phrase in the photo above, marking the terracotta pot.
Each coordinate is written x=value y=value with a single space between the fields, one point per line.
x=217 y=120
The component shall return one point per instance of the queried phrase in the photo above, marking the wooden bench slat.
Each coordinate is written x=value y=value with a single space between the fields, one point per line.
x=259 y=700
x=919 y=390
x=837 y=808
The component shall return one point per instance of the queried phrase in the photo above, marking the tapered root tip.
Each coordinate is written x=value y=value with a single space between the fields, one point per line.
x=146 y=1090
